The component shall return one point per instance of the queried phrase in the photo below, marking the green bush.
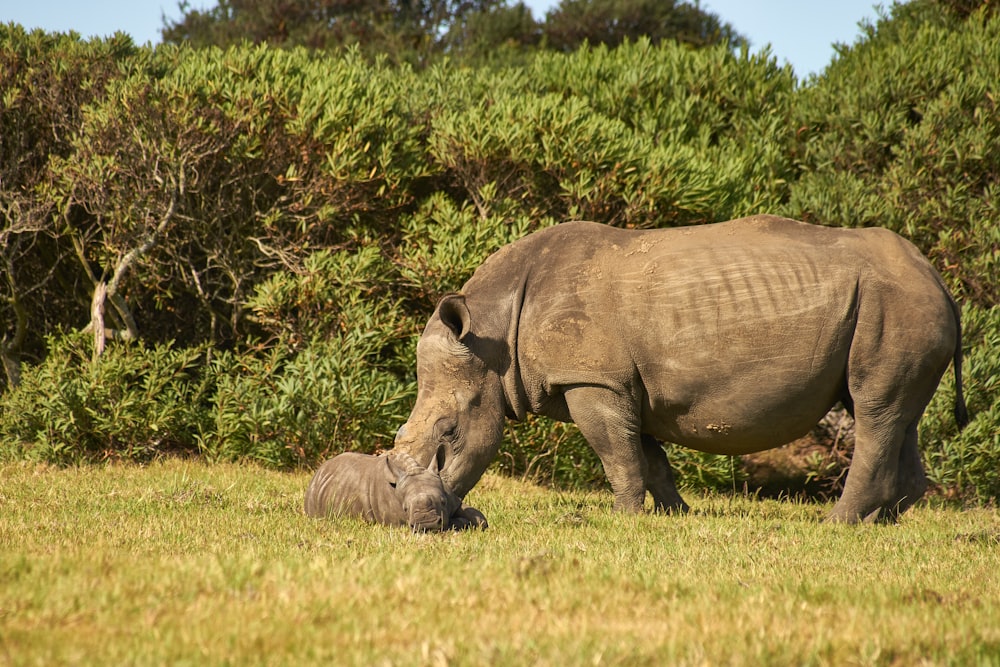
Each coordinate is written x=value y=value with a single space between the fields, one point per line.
x=443 y=243
x=713 y=126
x=965 y=464
x=332 y=292
x=296 y=410
x=46 y=83
x=276 y=225
x=133 y=403
x=338 y=371
x=902 y=131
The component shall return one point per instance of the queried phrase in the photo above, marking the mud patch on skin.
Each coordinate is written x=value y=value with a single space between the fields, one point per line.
x=642 y=247
x=722 y=428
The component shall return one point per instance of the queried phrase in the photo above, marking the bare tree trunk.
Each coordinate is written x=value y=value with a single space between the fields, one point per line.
x=97 y=318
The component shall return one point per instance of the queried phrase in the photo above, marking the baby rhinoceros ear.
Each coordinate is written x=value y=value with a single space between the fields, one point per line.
x=399 y=465
x=393 y=471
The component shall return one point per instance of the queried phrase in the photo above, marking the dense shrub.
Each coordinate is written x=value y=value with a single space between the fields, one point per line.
x=336 y=373
x=275 y=226
x=46 y=82
x=965 y=464
x=132 y=403
x=903 y=132
x=286 y=410
x=443 y=243
x=196 y=174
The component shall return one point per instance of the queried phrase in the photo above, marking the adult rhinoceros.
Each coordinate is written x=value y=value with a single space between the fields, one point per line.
x=727 y=338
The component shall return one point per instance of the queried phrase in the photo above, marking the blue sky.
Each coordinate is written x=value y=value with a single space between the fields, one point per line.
x=800 y=32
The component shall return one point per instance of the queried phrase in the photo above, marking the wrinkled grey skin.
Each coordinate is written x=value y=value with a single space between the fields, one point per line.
x=391 y=489
x=727 y=338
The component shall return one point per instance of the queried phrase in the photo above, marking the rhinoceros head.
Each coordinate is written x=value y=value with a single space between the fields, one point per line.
x=459 y=414
x=427 y=504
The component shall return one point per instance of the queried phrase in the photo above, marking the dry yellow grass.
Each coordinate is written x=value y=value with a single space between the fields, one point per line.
x=180 y=562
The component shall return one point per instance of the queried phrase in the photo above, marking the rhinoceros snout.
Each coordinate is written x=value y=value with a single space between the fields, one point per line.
x=424 y=528
x=426 y=514
x=427 y=524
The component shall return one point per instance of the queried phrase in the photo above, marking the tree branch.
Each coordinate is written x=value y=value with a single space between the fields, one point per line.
x=110 y=291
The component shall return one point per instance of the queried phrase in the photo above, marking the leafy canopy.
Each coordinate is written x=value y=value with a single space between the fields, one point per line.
x=419 y=31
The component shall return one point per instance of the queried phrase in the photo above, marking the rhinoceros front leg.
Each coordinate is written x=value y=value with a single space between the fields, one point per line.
x=660 y=478
x=610 y=425
x=468 y=518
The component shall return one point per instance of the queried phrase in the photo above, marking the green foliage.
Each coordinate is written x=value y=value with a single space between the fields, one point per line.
x=573 y=23
x=288 y=218
x=46 y=83
x=902 y=131
x=279 y=408
x=334 y=291
x=443 y=243
x=635 y=136
x=338 y=378
x=284 y=411
x=133 y=403
x=964 y=464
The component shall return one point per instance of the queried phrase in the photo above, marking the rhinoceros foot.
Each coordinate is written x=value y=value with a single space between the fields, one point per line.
x=468 y=518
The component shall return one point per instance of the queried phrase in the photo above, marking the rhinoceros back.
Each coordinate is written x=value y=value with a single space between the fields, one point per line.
x=731 y=336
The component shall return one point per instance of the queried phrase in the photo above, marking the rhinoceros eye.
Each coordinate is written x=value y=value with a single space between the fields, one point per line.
x=445 y=428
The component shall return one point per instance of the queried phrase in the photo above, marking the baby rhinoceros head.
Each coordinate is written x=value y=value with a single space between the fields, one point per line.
x=426 y=503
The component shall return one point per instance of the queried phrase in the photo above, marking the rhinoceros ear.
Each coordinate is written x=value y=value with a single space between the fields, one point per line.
x=454 y=314
x=393 y=470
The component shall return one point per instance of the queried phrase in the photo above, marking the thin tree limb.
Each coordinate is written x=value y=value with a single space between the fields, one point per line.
x=110 y=291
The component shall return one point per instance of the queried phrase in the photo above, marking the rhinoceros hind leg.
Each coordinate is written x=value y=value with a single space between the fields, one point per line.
x=912 y=481
x=886 y=475
x=660 y=478
x=871 y=480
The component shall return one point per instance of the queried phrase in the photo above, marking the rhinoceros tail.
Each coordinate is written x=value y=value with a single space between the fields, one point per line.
x=961 y=411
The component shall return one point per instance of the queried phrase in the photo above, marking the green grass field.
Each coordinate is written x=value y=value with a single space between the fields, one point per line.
x=184 y=563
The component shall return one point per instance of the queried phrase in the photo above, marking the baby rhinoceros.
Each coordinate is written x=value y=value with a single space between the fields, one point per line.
x=392 y=489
